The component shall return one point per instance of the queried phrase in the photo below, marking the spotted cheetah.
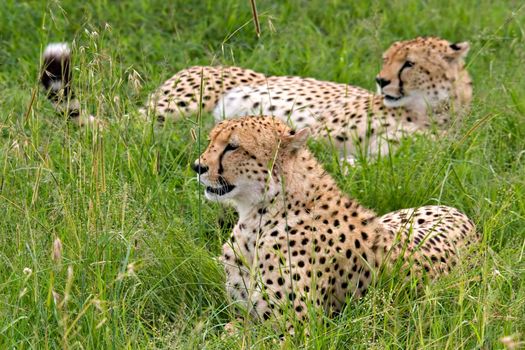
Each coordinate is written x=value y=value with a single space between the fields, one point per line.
x=299 y=239
x=420 y=81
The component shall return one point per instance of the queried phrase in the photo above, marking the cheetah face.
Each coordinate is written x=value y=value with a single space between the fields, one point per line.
x=240 y=166
x=420 y=71
x=222 y=182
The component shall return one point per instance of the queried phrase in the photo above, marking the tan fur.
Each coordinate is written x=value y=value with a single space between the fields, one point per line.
x=299 y=239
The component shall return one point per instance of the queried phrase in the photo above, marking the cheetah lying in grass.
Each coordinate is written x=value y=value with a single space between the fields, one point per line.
x=423 y=82
x=299 y=239
x=420 y=82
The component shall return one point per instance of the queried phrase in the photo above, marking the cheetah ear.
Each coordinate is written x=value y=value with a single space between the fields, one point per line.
x=457 y=51
x=295 y=140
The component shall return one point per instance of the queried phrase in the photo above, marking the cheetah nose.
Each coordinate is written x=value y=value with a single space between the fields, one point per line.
x=199 y=168
x=382 y=82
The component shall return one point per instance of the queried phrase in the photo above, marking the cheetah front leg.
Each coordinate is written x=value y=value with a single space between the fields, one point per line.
x=261 y=299
x=242 y=282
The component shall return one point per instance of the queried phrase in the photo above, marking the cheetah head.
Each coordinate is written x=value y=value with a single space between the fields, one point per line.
x=242 y=162
x=424 y=71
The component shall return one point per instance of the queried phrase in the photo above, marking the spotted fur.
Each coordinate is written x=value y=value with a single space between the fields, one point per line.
x=299 y=239
x=422 y=82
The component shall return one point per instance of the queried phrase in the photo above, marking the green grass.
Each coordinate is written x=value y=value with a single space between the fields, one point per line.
x=137 y=265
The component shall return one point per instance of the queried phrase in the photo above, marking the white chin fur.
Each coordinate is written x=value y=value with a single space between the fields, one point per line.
x=395 y=103
x=215 y=197
x=57 y=50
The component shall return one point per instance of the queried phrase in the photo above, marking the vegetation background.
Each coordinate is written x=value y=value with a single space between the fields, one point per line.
x=106 y=241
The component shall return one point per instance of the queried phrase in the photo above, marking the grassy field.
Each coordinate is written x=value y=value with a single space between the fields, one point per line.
x=105 y=241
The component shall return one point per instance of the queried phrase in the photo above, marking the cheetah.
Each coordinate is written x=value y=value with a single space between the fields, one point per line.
x=423 y=83
x=299 y=239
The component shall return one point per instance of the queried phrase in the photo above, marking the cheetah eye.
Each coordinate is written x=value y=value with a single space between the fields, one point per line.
x=408 y=64
x=230 y=147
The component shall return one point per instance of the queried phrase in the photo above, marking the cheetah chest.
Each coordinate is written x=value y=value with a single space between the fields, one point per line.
x=292 y=260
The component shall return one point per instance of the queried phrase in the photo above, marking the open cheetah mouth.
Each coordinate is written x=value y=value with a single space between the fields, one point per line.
x=221 y=190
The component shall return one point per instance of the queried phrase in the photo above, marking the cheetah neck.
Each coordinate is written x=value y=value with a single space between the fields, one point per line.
x=303 y=177
x=419 y=111
x=306 y=186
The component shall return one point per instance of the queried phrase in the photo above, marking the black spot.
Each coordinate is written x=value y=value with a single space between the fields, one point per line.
x=341 y=138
